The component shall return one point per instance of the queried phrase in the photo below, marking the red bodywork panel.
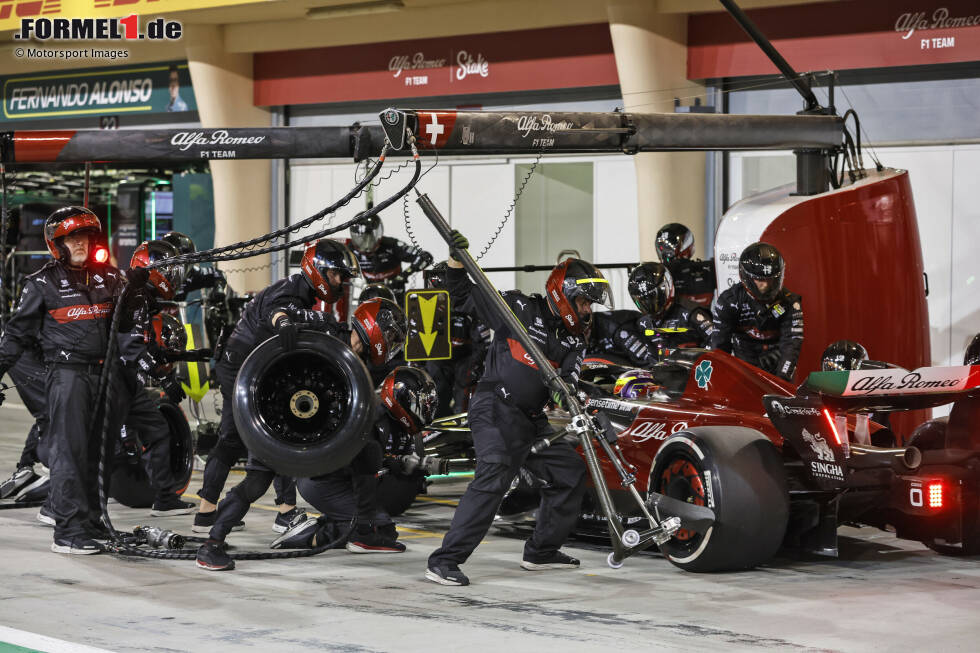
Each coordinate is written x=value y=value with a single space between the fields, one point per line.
x=733 y=397
x=857 y=262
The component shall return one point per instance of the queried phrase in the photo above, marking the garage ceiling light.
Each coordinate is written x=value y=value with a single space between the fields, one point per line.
x=355 y=9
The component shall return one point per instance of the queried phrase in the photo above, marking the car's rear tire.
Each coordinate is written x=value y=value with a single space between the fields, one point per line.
x=738 y=473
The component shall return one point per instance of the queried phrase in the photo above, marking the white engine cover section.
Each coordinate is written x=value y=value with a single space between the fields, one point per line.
x=747 y=219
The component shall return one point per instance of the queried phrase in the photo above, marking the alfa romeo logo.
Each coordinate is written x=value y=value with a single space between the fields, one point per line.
x=391 y=116
x=702 y=373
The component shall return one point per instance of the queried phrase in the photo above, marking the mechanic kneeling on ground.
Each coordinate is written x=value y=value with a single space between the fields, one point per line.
x=506 y=416
x=67 y=306
x=407 y=403
x=758 y=320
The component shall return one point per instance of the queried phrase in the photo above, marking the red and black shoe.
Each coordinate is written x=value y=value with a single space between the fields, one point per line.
x=212 y=556
x=383 y=539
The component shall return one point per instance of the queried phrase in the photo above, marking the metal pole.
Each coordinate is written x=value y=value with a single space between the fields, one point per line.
x=6 y=274
x=585 y=429
x=88 y=172
x=760 y=39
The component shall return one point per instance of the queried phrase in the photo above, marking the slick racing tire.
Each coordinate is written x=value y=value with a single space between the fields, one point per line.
x=304 y=412
x=130 y=485
x=397 y=492
x=738 y=473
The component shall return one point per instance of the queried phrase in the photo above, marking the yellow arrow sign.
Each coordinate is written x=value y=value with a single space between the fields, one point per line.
x=428 y=307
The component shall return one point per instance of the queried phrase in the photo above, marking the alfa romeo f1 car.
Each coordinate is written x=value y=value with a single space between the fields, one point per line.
x=769 y=464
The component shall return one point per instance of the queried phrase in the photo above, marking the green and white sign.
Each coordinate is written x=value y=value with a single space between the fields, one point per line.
x=148 y=88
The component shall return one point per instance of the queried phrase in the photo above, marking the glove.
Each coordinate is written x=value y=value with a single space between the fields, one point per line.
x=137 y=277
x=171 y=386
x=769 y=360
x=459 y=242
x=287 y=332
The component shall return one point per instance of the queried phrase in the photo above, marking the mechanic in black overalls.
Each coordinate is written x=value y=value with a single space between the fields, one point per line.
x=381 y=257
x=663 y=322
x=694 y=279
x=196 y=277
x=28 y=376
x=407 y=403
x=378 y=334
x=456 y=377
x=506 y=416
x=144 y=361
x=758 y=320
x=326 y=266
x=67 y=306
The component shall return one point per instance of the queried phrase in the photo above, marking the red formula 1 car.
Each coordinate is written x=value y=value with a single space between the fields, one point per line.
x=768 y=463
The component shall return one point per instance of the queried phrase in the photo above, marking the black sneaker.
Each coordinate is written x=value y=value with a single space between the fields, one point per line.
x=286 y=520
x=446 y=574
x=212 y=556
x=21 y=477
x=172 y=505
x=81 y=546
x=375 y=540
x=45 y=516
x=556 y=560
x=203 y=521
x=299 y=536
x=36 y=490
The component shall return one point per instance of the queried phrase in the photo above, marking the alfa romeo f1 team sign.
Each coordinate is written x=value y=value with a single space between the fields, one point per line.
x=896 y=381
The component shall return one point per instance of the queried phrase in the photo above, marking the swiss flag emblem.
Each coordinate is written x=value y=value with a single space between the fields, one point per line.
x=435 y=127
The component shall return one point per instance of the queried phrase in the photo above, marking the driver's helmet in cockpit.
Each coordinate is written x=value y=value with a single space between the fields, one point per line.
x=636 y=384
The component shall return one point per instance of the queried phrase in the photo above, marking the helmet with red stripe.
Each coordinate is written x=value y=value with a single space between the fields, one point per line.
x=165 y=280
x=380 y=325
x=65 y=221
x=409 y=394
x=674 y=240
x=170 y=334
x=321 y=257
x=571 y=279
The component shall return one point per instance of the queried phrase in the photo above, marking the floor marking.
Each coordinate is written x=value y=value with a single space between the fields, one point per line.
x=34 y=642
x=445 y=502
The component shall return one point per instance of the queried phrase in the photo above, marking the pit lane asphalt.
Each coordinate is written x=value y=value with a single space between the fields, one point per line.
x=882 y=594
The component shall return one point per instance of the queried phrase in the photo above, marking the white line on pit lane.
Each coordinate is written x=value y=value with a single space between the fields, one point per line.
x=37 y=642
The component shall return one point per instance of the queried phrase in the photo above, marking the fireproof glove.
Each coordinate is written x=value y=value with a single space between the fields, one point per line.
x=769 y=360
x=172 y=387
x=287 y=332
x=459 y=241
x=137 y=277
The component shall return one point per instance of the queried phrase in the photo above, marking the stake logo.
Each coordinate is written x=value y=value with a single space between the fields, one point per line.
x=93 y=29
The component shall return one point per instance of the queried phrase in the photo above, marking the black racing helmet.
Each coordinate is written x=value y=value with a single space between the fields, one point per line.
x=652 y=288
x=181 y=242
x=843 y=356
x=324 y=255
x=576 y=278
x=762 y=262
x=672 y=241
x=409 y=394
x=972 y=355
x=435 y=277
x=376 y=290
x=366 y=235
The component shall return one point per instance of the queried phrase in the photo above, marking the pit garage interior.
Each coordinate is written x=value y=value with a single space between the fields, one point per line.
x=591 y=162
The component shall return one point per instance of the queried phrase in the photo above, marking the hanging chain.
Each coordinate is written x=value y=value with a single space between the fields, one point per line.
x=503 y=220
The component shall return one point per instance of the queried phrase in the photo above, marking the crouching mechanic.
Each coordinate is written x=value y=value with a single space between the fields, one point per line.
x=326 y=266
x=66 y=306
x=758 y=320
x=506 y=415
x=146 y=362
x=378 y=335
x=407 y=403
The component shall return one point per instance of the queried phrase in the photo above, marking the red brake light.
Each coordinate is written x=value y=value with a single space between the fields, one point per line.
x=833 y=427
x=935 y=495
x=101 y=255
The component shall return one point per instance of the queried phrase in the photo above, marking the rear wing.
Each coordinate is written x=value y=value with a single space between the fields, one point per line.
x=894 y=388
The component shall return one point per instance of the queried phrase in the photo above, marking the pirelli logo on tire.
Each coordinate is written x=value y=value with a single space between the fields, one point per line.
x=427 y=312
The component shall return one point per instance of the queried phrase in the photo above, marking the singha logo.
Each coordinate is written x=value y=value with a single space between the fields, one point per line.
x=819 y=446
